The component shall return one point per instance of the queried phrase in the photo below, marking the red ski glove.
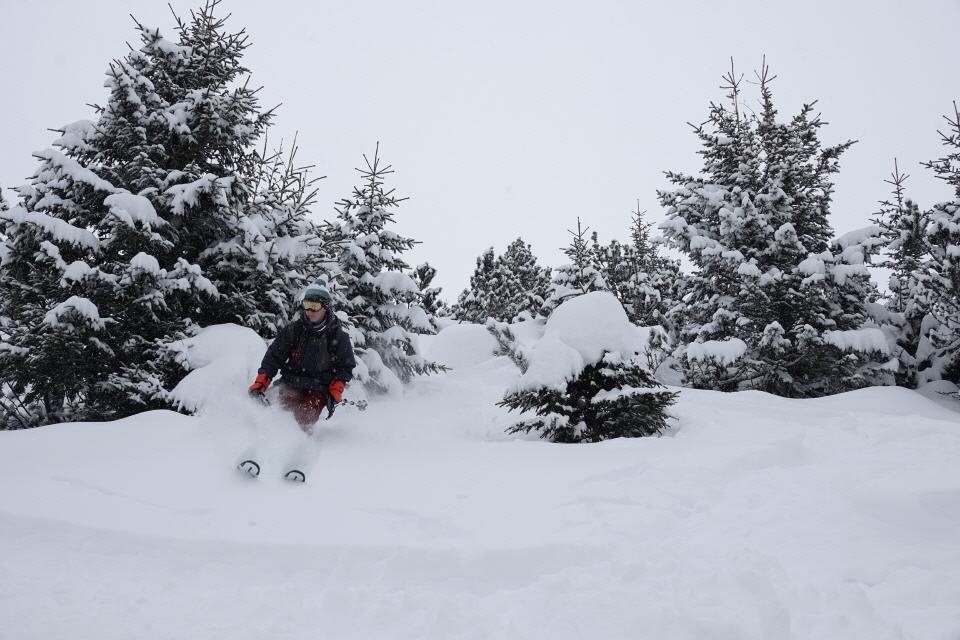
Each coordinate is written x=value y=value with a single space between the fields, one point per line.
x=260 y=385
x=336 y=390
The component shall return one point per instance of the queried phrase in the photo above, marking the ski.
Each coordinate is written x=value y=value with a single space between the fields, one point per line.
x=295 y=475
x=249 y=467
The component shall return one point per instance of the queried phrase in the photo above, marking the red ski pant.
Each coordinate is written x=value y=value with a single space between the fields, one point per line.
x=305 y=405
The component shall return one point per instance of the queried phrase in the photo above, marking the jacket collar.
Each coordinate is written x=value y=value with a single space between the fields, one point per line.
x=329 y=322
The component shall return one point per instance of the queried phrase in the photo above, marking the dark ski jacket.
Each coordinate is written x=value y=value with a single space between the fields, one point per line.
x=309 y=357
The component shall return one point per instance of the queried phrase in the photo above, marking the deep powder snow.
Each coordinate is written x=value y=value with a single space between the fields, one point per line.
x=755 y=517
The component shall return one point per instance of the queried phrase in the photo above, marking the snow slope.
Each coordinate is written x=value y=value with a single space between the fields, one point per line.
x=755 y=517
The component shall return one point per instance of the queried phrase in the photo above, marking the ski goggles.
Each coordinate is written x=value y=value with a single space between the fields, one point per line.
x=313 y=305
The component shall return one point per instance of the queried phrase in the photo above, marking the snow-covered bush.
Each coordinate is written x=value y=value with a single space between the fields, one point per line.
x=584 y=381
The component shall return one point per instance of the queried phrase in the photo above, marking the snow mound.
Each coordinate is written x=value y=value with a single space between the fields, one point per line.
x=224 y=360
x=575 y=336
x=131 y=208
x=760 y=517
x=82 y=306
x=725 y=351
x=594 y=323
x=863 y=340
x=889 y=401
x=461 y=345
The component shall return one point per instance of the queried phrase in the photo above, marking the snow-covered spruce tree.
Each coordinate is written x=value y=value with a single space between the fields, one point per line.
x=646 y=283
x=620 y=268
x=599 y=390
x=855 y=302
x=275 y=250
x=634 y=284
x=657 y=302
x=508 y=287
x=374 y=295
x=657 y=285
x=528 y=283
x=135 y=226
x=940 y=272
x=429 y=299
x=239 y=215
x=484 y=298
x=582 y=274
x=652 y=294
x=507 y=343
x=4 y=207
x=7 y=396
x=88 y=303
x=771 y=306
x=903 y=227
x=903 y=230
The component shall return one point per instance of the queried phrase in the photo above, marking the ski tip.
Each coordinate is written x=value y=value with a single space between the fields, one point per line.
x=249 y=467
x=295 y=475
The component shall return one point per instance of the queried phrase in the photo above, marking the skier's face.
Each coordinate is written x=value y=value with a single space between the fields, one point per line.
x=315 y=315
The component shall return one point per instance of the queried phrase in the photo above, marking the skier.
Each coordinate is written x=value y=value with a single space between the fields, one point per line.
x=315 y=358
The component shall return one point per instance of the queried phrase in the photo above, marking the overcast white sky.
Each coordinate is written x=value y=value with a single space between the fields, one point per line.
x=506 y=119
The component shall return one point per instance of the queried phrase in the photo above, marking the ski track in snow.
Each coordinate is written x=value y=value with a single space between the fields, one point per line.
x=754 y=517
